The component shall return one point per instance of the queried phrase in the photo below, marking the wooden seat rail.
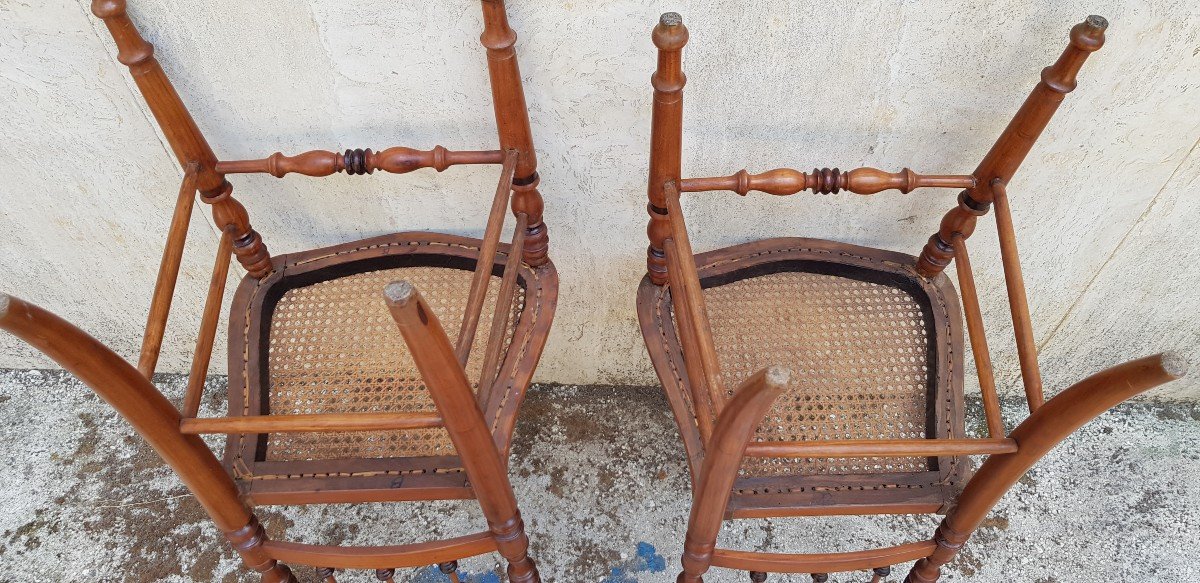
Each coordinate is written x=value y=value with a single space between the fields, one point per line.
x=387 y=557
x=879 y=448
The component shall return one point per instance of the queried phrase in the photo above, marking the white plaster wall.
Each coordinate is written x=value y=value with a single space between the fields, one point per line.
x=1105 y=205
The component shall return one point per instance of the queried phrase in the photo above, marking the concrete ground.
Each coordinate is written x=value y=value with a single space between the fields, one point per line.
x=600 y=474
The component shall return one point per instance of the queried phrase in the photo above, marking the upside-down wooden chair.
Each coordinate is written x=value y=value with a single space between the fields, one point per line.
x=848 y=361
x=342 y=391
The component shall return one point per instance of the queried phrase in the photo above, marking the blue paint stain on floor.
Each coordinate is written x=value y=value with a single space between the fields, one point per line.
x=433 y=575
x=646 y=560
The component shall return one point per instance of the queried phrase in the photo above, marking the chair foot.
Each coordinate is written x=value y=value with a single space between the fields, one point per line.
x=450 y=569
x=924 y=572
x=758 y=576
x=685 y=578
x=820 y=577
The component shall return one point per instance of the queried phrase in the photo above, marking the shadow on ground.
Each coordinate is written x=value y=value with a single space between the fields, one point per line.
x=601 y=478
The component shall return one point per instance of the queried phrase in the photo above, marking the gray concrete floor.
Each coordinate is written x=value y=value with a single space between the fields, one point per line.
x=600 y=475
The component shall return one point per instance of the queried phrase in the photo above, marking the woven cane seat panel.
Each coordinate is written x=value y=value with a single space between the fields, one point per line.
x=859 y=355
x=334 y=348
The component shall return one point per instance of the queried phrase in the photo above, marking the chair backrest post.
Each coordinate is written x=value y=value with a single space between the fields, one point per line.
x=666 y=137
x=150 y=414
x=1014 y=144
x=512 y=122
x=184 y=136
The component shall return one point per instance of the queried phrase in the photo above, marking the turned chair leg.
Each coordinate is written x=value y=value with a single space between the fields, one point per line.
x=451 y=393
x=450 y=569
x=880 y=573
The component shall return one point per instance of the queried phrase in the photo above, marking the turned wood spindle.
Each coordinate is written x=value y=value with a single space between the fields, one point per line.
x=1010 y=149
x=357 y=162
x=184 y=136
x=786 y=181
x=666 y=136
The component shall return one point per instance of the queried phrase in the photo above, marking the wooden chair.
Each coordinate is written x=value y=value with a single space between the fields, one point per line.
x=871 y=420
x=328 y=401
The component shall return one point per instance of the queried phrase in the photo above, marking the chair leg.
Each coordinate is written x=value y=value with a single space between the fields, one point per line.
x=451 y=393
x=734 y=429
x=1040 y=432
x=880 y=573
x=450 y=569
x=248 y=542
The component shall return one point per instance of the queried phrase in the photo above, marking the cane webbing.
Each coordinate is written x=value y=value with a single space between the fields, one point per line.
x=858 y=351
x=334 y=348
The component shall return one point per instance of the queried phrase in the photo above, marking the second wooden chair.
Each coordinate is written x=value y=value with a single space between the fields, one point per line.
x=847 y=361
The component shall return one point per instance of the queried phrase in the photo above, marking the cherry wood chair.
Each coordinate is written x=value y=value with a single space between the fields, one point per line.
x=343 y=385
x=847 y=361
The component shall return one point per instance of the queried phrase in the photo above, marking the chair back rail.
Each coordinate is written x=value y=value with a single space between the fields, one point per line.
x=209 y=320
x=396 y=160
x=704 y=411
x=483 y=267
x=1018 y=302
x=500 y=317
x=168 y=273
x=688 y=283
x=786 y=181
x=978 y=336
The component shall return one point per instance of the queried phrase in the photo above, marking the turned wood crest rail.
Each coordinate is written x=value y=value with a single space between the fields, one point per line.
x=786 y=181
x=397 y=160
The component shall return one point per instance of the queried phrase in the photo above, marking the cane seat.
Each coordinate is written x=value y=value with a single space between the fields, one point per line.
x=876 y=354
x=315 y=337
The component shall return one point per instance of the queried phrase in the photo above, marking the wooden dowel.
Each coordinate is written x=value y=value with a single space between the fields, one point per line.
x=880 y=448
x=323 y=423
x=786 y=181
x=698 y=311
x=168 y=273
x=208 y=327
x=398 y=160
x=487 y=258
x=697 y=381
x=979 y=345
x=1018 y=303
x=508 y=288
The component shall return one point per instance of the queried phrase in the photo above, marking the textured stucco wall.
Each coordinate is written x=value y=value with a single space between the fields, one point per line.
x=1106 y=205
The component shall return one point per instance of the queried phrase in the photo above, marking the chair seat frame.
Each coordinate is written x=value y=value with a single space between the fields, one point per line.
x=719 y=431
